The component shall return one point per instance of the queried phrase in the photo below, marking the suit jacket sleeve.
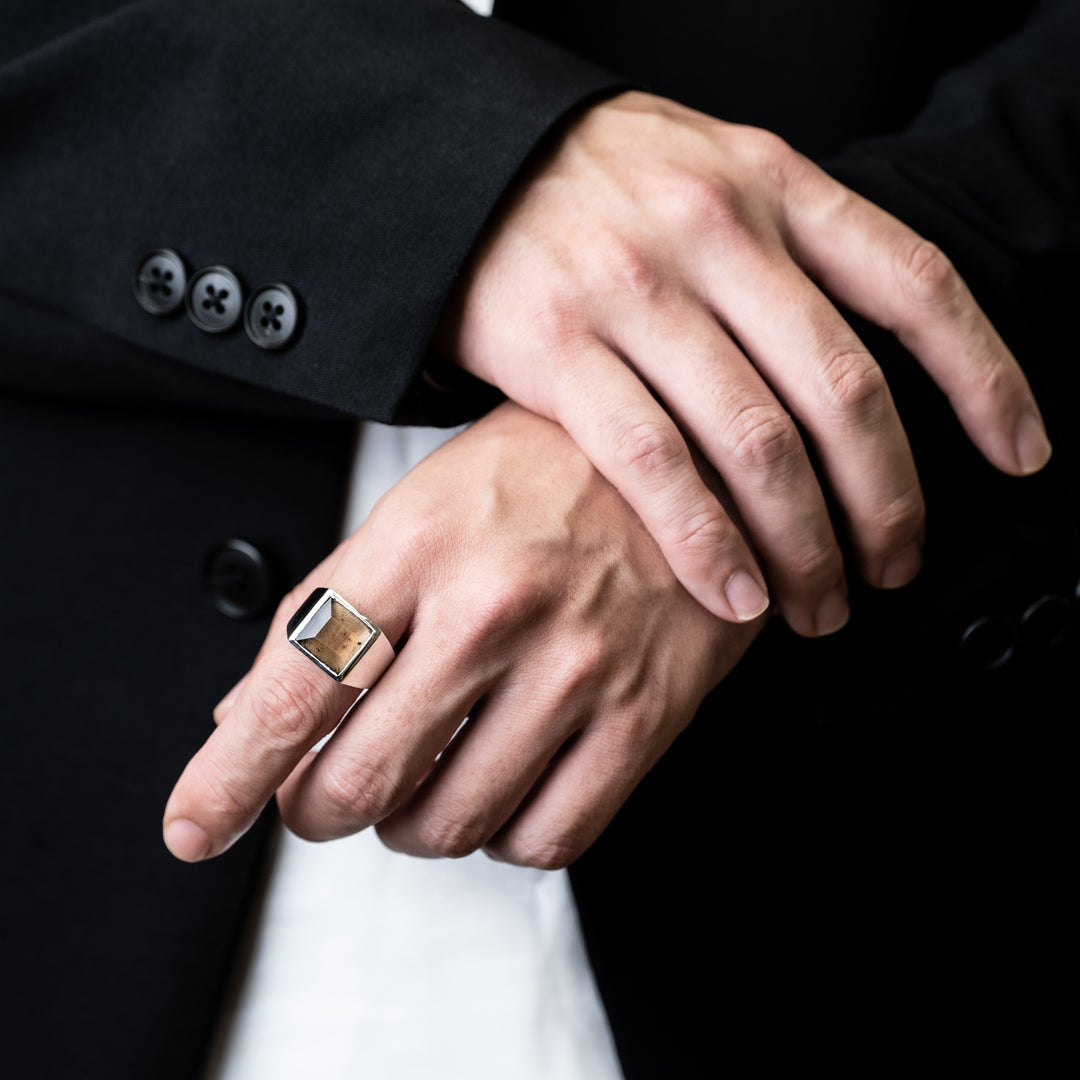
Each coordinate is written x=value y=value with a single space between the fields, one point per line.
x=350 y=149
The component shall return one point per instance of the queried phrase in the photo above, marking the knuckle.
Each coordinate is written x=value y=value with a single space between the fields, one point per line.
x=581 y=669
x=449 y=836
x=769 y=153
x=588 y=660
x=700 y=536
x=820 y=562
x=507 y=601
x=699 y=196
x=763 y=437
x=557 y=327
x=286 y=703
x=633 y=734
x=900 y=520
x=543 y=852
x=628 y=268
x=852 y=383
x=714 y=207
x=649 y=450
x=413 y=531
x=928 y=277
x=360 y=791
x=416 y=534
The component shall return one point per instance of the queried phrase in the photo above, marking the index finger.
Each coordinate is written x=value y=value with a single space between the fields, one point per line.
x=285 y=706
x=877 y=266
x=284 y=709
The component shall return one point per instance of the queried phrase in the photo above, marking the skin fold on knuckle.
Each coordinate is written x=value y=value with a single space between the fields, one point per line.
x=415 y=536
x=558 y=330
x=774 y=160
x=896 y=524
x=285 y=704
x=451 y=832
x=928 y=279
x=703 y=537
x=510 y=599
x=763 y=437
x=733 y=200
x=743 y=222
x=355 y=792
x=815 y=566
x=649 y=453
x=853 y=387
x=634 y=735
x=706 y=206
x=626 y=267
x=996 y=392
x=542 y=850
x=585 y=665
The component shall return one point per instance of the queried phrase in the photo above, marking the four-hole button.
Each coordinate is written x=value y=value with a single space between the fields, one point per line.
x=214 y=299
x=271 y=316
x=160 y=280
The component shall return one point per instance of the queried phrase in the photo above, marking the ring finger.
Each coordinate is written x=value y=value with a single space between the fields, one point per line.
x=728 y=410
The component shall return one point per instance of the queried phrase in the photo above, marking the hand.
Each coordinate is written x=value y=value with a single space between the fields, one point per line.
x=658 y=251
x=524 y=594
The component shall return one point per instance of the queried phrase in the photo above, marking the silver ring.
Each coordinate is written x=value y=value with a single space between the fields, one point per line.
x=348 y=646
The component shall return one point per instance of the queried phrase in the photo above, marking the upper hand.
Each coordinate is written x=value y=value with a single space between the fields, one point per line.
x=524 y=594
x=660 y=253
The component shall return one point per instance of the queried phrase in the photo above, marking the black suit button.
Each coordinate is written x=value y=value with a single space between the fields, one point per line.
x=988 y=644
x=214 y=299
x=272 y=315
x=1046 y=623
x=160 y=280
x=240 y=579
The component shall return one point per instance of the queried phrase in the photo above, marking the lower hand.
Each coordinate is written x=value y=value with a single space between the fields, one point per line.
x=523 y=594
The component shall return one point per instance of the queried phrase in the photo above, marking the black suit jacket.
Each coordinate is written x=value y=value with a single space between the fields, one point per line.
x=858 y=854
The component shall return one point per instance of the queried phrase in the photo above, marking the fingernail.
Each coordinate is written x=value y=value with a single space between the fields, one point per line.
x=833 y=612
x=228 y=701
x=186 y=840
x=1032 y=446
x=901 y=568
x=747 y=597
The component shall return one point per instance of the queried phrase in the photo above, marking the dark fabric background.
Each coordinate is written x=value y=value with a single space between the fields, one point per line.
x=856 y=859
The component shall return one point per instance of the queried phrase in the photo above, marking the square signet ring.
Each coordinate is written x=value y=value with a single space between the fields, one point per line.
x=345 y=644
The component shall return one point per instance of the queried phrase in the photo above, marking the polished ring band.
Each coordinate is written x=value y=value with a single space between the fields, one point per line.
x=348 y=646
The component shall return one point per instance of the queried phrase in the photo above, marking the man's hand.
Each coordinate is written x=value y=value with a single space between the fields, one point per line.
x=661 y=254
x=523 y=593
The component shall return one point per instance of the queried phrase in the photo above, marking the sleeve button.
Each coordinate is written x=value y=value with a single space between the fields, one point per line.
x=160 y=280
x=1046 y=622
x=272 y=316
x=988 y=644
x=214 y=299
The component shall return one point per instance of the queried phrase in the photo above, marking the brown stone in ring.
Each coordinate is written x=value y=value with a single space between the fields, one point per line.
x=348 y=646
